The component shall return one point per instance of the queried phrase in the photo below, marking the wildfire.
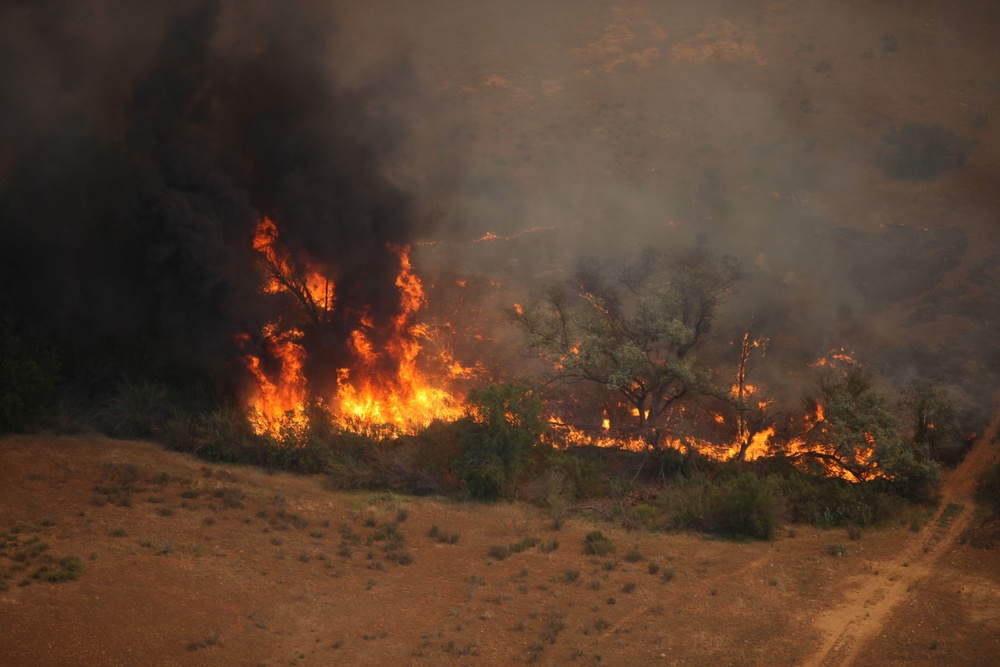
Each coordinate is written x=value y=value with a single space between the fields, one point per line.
x=569 y=436
x=281 y=402
x=281 y=275
x=383 y=387
x=835 y=356
x=491 y=236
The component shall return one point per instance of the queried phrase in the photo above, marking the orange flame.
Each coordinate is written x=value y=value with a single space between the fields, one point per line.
x=280 y=274
x=281 y=403
x=382 y=390
x=406 y=401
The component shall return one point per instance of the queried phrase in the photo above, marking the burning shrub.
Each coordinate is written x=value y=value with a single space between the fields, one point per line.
x=504 y=424
x=859 y=435
x=225 y=435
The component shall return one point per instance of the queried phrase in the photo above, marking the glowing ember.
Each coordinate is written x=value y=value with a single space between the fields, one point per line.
x=490 y=236
x=835 y=356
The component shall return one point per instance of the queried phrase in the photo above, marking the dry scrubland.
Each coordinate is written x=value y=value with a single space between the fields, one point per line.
x=185 y=563
x=786 y=130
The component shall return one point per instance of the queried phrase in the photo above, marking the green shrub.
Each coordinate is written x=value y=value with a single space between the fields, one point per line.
x=748 y=508
x=689 y=503
x=646 y=515
x=829 y=502
x=583 y=474
x=504 y=424
x=741 y=506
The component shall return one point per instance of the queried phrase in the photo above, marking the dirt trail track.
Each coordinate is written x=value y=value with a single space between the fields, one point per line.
x=849 y=627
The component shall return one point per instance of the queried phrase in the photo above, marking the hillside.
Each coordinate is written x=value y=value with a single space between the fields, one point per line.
x=186 y=564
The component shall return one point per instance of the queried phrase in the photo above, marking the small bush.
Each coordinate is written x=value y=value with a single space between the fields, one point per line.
x=400 y=557
x=633 y=555
x=837 y=550
x=498 y=552
x=749 y=508
x=137 y=410
x=67 y=569
x=524 y=544
x=596 y=544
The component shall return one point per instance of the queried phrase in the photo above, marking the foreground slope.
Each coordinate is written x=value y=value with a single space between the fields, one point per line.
x=188 y=563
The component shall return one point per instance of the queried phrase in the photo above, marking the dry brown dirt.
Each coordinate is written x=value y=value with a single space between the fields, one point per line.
x=210 y=564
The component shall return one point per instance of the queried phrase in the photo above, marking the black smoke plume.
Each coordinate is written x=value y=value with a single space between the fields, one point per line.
x=133 y=174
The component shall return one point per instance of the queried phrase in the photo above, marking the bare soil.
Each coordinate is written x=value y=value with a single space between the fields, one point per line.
x=188 y=564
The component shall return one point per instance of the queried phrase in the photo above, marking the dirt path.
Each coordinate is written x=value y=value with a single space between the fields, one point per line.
x=849 y=627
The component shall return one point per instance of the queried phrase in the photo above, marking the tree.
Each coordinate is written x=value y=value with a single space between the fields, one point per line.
x=934 y=423
x=859 y=434
x=750 y=420
x=632 y=327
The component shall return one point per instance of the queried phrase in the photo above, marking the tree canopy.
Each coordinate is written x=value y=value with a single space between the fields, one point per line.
x=632 y=326
x=860 y=434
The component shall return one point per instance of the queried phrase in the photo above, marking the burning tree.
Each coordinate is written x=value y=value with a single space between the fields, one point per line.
x=856 y=432
x=357 y=360
x=632 y=327
x=933 y=418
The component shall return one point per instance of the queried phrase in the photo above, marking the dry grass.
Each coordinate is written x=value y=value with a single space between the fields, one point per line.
x=268 y=581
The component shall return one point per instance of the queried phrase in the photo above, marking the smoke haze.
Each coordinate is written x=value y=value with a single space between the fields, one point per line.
x=140 y=146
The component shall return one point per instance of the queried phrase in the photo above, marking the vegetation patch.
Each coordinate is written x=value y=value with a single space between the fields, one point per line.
x=921 y=151
x=596 y=544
